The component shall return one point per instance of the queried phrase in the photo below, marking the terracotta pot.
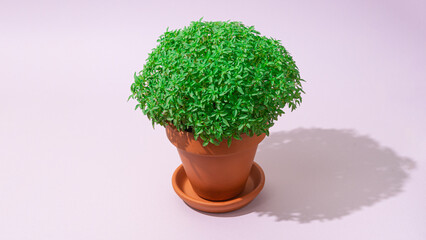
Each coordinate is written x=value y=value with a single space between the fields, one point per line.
x=215 y=172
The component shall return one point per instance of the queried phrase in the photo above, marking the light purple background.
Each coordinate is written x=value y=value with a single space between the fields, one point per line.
x=76 y=162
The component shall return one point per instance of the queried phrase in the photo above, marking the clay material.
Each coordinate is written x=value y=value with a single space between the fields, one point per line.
x=216 y=173
x=184 y=190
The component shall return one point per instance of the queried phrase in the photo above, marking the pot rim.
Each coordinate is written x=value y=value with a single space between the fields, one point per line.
x=185 y=141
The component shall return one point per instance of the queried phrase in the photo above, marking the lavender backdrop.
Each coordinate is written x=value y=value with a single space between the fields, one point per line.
x=76 y=162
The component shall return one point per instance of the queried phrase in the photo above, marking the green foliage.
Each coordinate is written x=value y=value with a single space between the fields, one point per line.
x=217 y=80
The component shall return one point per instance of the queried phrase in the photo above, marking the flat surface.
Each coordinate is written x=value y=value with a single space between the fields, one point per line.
x=75 y=159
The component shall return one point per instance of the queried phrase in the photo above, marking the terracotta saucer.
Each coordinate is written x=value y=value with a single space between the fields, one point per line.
x=184 y=190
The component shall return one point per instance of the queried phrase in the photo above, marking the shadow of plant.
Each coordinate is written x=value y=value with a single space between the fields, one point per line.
x=324 y=174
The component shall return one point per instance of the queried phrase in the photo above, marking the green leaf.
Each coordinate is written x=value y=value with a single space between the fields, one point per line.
x=229 y=142
x=226 y=122
x=238 y=137
x=240 y=90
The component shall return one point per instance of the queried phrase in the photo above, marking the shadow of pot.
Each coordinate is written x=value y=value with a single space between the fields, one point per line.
x=324 y=174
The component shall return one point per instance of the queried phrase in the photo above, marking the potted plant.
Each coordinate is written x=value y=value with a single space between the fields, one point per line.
x=217 y=88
